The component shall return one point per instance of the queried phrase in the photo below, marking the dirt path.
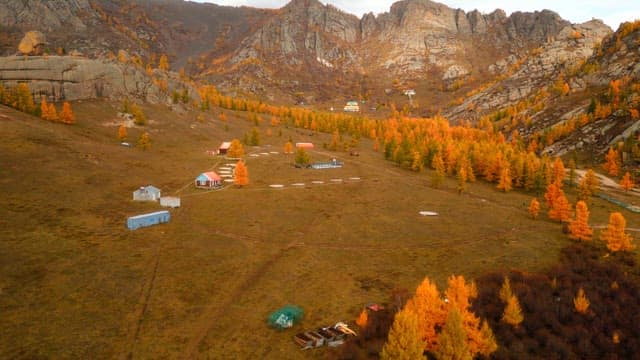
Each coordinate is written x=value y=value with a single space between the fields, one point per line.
x=141 y=309
x=214 y=311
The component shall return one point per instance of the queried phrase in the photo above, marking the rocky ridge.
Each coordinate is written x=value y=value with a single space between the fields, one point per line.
x=77 y=78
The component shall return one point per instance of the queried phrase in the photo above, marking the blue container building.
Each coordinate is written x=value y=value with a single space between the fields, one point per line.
x=144 y=220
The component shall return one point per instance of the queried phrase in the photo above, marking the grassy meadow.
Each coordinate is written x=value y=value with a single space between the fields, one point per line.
x=76 y=283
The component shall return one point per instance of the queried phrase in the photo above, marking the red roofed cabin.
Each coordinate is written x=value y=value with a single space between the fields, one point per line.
x=208 y=180
x=304 y=145
x=224 y=147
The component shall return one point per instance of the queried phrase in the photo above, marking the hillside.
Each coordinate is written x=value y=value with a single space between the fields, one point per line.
x=508 y=110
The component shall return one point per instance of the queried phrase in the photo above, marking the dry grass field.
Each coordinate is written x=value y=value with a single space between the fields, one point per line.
x=75 y=283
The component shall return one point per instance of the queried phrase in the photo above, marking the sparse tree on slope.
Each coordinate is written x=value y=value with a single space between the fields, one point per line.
x=505 y=291
x=561 y=209
x=288 y=148
x=627 y=183
x=403 y=342
x=66 y=115
x=122 y=133
x=614 y=235
x=144 y=142
x=588 y=185
x=612 y=162
x=579 y=228
x=302 y=157
x=241 y=174
x=164 y=63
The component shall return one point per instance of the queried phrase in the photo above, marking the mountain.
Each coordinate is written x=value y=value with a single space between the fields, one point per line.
x=305 y=51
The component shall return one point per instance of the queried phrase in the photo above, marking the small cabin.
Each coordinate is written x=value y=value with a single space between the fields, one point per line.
x=304 y=145
x=150 y=219
x=352 y=106
x=208 y=180
x=147 y=193
x=170 y=201
x=224 y=147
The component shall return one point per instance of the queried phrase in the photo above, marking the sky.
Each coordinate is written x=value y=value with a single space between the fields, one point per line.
x=612 y=12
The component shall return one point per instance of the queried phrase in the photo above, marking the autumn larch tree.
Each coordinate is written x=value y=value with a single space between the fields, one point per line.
x=44 y=109
x=439 y=171
x=627 y=183
x=164 y=63
x=561 y=208
x=363 y=319
x=505 y=291
x=552 y=193
x=288 y=148
x=66 y=115
x=462 y=180
x=588 y=185
x=558 y=172
x=614 y=235
x=122 y=133
x=504 y=182
x=579 y=228
x=580 y=302
x=534 y=208
x=512 y=314
x=241 y=174
x=612 y=162
x=302 y=157
x=236 y=150
x=139 y=117
x=403 y=342
x=452 y=341
x=144 y=142
x=429 y=310
x=490 y=345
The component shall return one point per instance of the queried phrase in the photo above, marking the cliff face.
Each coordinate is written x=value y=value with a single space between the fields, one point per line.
x=76 y=78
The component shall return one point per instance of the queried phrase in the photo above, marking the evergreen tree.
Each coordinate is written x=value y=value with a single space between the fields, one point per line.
x=579 y=228
x=505 y=290
x=236 y=150
x=627 y=183
x=452 y=341
x=512 y=312
x=144 y=142
x=302 y=157
x=439 y=171
x=403 y=342
x=614 y=235
x=66 y=115
x=580 y=302
x=241 y=174
x=122 y=133
x=429 y=310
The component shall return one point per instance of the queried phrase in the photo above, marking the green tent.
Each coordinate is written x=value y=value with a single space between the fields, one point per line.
x=285 y=317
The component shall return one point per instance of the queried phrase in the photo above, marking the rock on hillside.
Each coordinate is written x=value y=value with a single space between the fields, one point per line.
x=572 y=45
x=75 y=78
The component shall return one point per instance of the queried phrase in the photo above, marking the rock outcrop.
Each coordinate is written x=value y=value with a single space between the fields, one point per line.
x=75 y=78
x=32 y=43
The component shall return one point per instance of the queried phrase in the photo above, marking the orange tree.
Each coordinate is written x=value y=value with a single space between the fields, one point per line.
x=614 y=235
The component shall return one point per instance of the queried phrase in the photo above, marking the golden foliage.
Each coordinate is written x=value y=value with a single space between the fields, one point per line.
x=236 y=150
x=627 y=183
x=241 y=174
x=512 y=314
x=122 y=133
x=614 y=235
x=66 y=115
x=363 y=319
x=403 y=342
x=580 y=302
x=579 y=228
